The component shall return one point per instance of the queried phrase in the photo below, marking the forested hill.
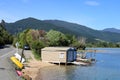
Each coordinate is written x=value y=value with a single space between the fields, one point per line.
x=63 y=26
x=112 y=30
x=85 y=31
x=32 y=23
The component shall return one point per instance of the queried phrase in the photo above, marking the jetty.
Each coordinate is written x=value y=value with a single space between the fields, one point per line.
x=85 y=58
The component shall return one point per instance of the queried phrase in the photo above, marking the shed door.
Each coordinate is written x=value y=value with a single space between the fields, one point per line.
x=75 y=55
x=70 y=56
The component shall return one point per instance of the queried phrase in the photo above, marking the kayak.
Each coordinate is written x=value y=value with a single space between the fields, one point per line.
x=16 y=62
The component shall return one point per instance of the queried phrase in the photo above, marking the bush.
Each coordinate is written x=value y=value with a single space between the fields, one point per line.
x=57 y=38
x=36 y=48
x=2 y=41
x=79 y=46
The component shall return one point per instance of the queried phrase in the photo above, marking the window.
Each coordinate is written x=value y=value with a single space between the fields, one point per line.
x=61 y=55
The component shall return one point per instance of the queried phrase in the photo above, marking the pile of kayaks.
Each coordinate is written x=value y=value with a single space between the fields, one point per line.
x=16 y=59
x=18 y=62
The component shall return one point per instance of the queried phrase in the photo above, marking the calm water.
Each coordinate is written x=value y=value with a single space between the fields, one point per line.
x=107 y=67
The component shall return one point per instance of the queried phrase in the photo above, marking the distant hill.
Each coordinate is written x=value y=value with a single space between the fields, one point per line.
x=85 y=31
x=63 y=26
x=112 y=30
x=31 y=23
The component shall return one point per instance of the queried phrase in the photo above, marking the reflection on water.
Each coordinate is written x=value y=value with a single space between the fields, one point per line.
x=107 y=67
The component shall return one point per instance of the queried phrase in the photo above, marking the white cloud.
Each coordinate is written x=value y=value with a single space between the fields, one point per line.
x=92 y=3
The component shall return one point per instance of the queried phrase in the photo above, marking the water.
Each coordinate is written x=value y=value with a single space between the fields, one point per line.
x=107 y=67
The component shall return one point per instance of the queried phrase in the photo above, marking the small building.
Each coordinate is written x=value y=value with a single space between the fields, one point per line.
x=58 y=54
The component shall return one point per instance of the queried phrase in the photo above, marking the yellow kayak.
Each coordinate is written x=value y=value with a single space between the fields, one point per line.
x=17 y=62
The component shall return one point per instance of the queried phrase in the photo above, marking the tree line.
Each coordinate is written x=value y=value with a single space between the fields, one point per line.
x=5 y=37
x=103 y=44
x=38 y=39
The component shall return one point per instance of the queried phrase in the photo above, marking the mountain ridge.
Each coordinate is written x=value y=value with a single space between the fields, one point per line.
x=62 y=26
x=112 y=30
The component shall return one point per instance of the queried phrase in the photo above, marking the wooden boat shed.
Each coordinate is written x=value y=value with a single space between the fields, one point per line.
x=58 y=54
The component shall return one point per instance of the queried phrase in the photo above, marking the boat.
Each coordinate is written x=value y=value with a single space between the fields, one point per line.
x=16 y=62
x=80 y=63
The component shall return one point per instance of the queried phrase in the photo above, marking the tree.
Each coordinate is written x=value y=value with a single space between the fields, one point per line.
x=80 y=43
x=22 y=38
x=5 y=37
x=1 y=41
x=36 y=47
x=42 y=34
x=2 y=24
x=71 y=39
x=56 y=38
x=33 y=35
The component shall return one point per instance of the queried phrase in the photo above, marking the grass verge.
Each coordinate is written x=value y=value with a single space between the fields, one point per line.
x=36 y=55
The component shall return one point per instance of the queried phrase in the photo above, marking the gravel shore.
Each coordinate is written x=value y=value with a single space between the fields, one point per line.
x=33 y=66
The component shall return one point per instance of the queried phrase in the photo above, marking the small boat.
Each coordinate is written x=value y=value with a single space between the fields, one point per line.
x=87 y=60
x=16 y=62
x=80 y=63
x=19 y=73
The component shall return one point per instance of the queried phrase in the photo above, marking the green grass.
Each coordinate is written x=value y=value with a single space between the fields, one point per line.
x=23 y=78
x=36 y=55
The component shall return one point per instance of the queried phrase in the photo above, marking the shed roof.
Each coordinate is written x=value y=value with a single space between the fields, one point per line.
x=55 y=48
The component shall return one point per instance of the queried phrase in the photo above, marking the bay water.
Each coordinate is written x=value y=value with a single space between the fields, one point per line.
x=107 y=67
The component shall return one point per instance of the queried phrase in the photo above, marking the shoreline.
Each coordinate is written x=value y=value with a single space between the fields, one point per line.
x=32 y=68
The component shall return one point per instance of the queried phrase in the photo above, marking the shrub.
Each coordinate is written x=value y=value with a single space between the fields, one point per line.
x=36 y=47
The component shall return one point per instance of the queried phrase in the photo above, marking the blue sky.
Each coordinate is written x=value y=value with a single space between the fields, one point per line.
x=96 y=14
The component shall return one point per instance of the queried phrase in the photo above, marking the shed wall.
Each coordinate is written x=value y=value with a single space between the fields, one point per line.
x=54 y=56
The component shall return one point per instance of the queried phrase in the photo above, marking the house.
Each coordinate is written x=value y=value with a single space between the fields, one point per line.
x=58 y=54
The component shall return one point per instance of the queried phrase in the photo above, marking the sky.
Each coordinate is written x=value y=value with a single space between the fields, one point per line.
x=95 y=14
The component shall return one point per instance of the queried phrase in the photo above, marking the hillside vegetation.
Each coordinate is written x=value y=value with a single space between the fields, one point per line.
x=5 y=37
x=37 y=39
x=64 y=27
x=112 y=30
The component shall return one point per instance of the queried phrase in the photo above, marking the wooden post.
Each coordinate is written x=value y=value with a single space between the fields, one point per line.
x=59 y=63
x=66 y=64
x=22 y=54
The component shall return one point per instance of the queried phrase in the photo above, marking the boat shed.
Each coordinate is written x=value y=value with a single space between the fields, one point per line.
x=58 y=54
